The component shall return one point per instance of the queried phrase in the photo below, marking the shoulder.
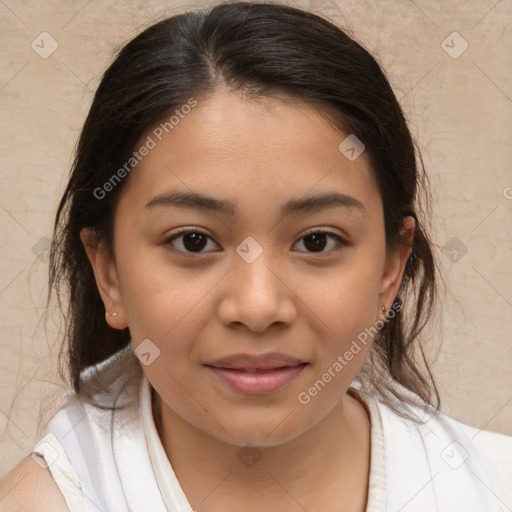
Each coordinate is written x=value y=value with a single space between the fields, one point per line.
x=454 y=456
x=495 y=450
x=491 y=444
x=413 y=414
x=31 y=487
x=77 y=444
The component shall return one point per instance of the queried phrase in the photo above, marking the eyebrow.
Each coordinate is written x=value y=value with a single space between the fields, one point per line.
x=293 y=206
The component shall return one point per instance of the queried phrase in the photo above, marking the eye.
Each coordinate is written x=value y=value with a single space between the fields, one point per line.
x=316 y=240
x=194 y=241
x=189 y=240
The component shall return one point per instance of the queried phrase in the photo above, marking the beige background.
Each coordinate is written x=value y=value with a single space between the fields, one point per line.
x=459 y=108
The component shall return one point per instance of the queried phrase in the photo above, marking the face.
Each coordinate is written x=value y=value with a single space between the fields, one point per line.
x=287 y=256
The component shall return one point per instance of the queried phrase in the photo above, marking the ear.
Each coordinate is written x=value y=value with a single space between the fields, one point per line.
x=394 y=266
x=107 y=281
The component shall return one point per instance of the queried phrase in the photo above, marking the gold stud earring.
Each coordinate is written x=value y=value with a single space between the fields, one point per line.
x=383 y=308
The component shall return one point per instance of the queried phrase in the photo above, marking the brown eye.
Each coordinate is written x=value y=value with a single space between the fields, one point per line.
x=317 y=241
x=189 y=241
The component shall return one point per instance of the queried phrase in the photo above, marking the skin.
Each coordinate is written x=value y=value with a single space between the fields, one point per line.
x=195 y=308
x=30 y=487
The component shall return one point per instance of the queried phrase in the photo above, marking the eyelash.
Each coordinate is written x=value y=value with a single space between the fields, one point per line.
x=184 y=231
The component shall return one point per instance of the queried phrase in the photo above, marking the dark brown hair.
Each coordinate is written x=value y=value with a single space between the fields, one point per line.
x=261 y=50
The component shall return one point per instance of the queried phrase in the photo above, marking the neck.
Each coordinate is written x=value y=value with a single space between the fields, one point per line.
x=334 y=453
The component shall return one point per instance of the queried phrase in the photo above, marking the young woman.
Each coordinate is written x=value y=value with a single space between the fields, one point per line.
x=248 y=273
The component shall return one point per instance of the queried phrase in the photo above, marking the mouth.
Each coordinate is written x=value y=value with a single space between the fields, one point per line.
x=268 y=361
x=255 y=370
x=254 y=380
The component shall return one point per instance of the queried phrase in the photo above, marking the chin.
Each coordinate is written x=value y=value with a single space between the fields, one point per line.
x=263 y=433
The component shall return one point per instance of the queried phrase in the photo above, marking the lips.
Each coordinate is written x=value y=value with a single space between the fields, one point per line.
x=257 y=374
x=249 y=362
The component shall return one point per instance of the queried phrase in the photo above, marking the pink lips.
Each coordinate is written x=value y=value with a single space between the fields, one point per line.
x=257 y=375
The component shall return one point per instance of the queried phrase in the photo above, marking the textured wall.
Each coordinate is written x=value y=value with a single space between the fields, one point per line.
x=449 y=63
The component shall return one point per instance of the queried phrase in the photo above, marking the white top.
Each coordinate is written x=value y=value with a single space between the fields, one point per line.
x=115 y=462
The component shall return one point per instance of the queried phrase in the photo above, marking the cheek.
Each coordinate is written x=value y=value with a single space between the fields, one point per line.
x=165 y=302
x=344 y=300
x=173 y=306
x=168 y=306
x=160 y=299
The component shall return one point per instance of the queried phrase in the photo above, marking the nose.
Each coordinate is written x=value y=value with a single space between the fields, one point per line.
x=257 y=295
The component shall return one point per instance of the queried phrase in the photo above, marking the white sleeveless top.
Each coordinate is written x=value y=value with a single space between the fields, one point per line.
x=115 y=462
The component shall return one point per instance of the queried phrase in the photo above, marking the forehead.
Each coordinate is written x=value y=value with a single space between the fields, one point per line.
x=250 y=151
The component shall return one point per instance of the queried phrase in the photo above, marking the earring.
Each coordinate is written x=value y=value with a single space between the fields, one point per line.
x=112 y=321
x=383 y=308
